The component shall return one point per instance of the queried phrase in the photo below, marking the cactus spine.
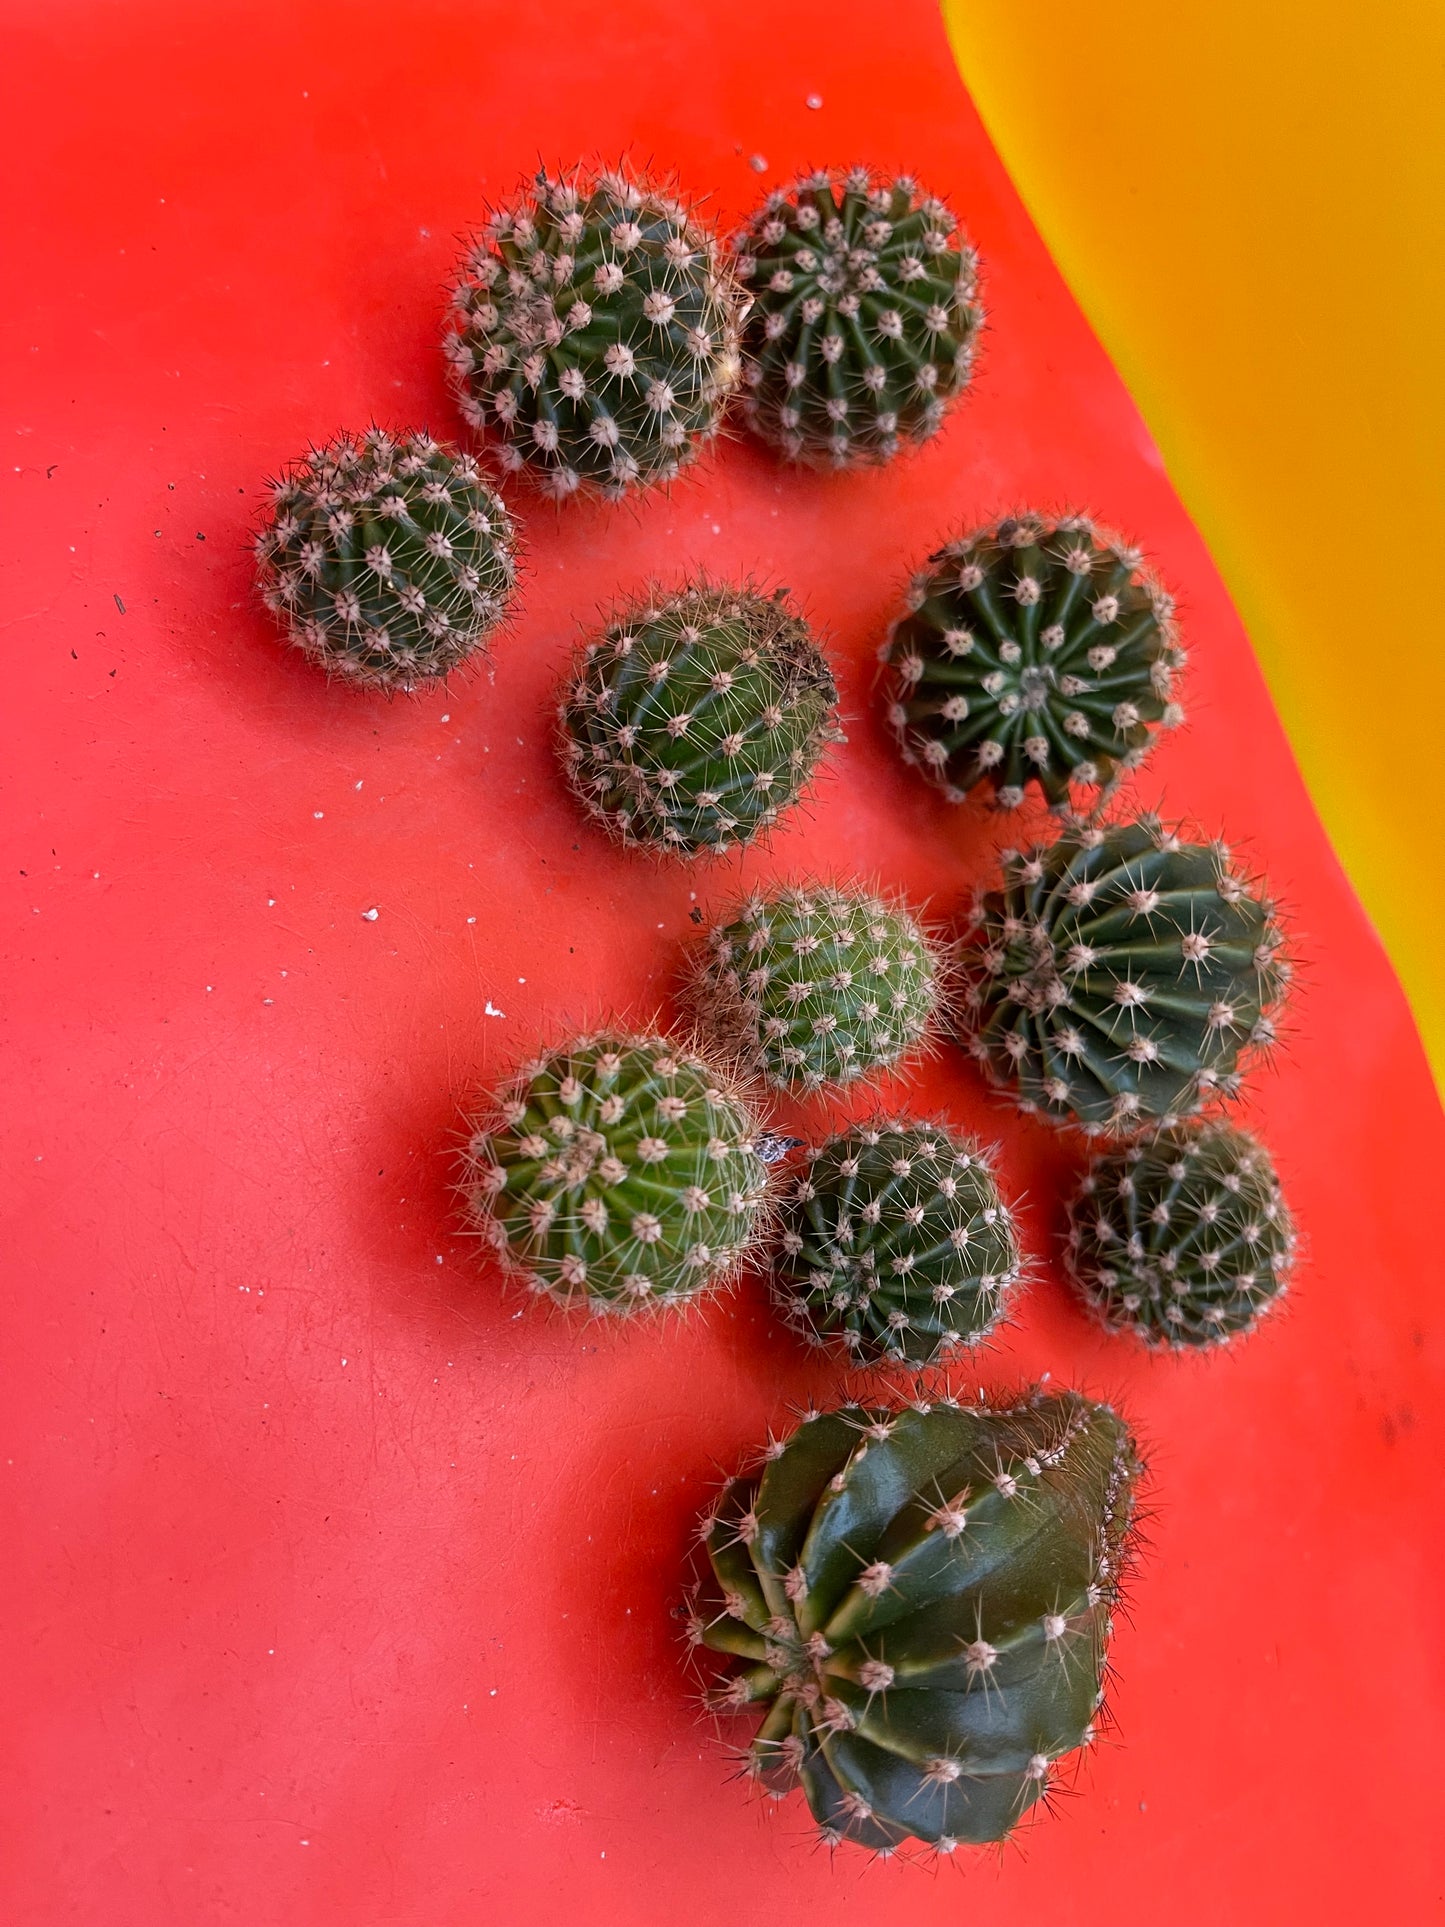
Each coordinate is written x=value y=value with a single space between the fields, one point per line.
x=387 y=559
x=618 y=1173
x=595 y=332
x=918 y=1603
x=1184 y=1239
x=1033 y=651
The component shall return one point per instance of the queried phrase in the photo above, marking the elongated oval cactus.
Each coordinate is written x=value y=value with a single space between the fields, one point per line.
x=815 y=984
x=918 y=1602
x=387 y=559
x=1032 y=651
x=618 y=1173
x=895 y=1244
x=696 y=718
x=1184 y=1239
x=864 y=317
x=1121 y=976
x=595 y=332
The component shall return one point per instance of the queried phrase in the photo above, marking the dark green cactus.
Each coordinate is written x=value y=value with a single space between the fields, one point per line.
x=895 y=1244
x=696 y=718
x=918 y=1602
x=1033 y=651
x=619 y=1173
x=815 y=985
x=1121 y=976
x=595 y=332
x=387 y=559
x=863 y=321
x=1184 y=1239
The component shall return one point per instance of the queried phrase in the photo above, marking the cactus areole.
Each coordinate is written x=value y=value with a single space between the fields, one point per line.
x=918 y=1603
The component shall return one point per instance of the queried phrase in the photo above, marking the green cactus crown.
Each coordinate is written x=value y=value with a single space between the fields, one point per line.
x=1185 y=1239
x=918 y=1603
x=696 y=718
x=595 y=333
x=1121 y=976
x=618 y=1173
x=1033 y=651
x=864 y=317
x=387 y=559
x=816 y=984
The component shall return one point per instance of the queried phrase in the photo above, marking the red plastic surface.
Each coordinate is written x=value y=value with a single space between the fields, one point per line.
x=342 y=1587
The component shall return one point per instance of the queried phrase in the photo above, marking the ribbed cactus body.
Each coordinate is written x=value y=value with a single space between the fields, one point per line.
x=697 y=718
x=1121 y=976
x=387 y=559
x=595 y=333
x=1032 y=651
x=818 y=985
x=863 y=321
x=895 y=1244
x=619 y=1173
x=918 y=1602
x=1184 y=1239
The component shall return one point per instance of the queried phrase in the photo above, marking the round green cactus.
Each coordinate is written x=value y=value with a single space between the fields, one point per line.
x=864 y=317
x=387 y=559
x=815 y=985
x=895 y=1244
x=918 y=1602
x=619 y=1173
x=595 y=332
x=1032 y=651
x=696 y=718
x=1121 y=976
x=1184 y=1239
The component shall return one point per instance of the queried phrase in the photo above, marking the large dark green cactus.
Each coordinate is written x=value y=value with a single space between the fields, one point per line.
x=918 y=1602
x=1121 y=976
x=1184 y=1239
x=387 y=559
x=863 y=321
x=894 y=1244
x=595 y=332
x=620 y=1173
x=696 y=718
x=1032 y=651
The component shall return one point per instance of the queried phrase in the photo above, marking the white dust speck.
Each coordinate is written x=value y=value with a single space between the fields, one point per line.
x=757 y=163
x=489 y=1009
x=371 y=915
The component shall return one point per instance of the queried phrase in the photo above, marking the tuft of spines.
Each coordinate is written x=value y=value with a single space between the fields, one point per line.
x=918 y=1603
x=618 y=1173
x=696 y=718
x=594 y=332
x=817 y=984
x=864 y=319
x=1185 y=1239
x=895 y=1245
x=387 y=559
x=1036 y=650
x=1121 y=977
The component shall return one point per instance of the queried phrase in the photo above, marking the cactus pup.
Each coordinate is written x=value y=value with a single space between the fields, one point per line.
x=387 y=559
x=594 y=333
x=864 y=318
x=918 y=1603
x=618 y=1173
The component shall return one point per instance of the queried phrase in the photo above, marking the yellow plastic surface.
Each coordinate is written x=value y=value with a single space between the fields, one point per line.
x=1248 y=200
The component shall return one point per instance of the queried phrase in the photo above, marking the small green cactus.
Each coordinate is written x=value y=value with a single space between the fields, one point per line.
x=1184 y=1239
x=919 y=1603
x=387 y=559
x=1121 y=976
x=863 y=321
x=1032 y=651
x=696 y=718
x=595 y=332
x=619 y=1173
x=895 y=1244
x=814 y=985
